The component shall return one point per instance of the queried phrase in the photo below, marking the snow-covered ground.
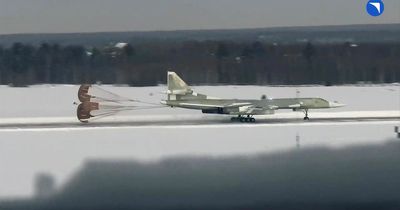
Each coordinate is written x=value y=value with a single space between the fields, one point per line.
x=60 y=152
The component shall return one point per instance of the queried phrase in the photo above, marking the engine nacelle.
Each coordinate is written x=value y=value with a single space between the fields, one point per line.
x=215 y=111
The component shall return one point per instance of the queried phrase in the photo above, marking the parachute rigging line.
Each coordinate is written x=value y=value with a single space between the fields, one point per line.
x=97 y=103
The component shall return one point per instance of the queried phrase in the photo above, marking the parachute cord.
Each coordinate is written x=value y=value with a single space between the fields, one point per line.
x=114 y=103
x=149 y=107
x=114 y=112
x=100 y=116
x=144 y=102
x=107 y=100
x=125 y=99
x=135 y=108
x=121 y=97
x=114 y=94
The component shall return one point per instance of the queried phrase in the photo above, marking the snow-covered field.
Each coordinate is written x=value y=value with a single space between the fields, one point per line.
x=57 y=101
x=60 y=152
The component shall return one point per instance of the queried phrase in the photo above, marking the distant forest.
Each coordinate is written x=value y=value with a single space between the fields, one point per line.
x=258 y=61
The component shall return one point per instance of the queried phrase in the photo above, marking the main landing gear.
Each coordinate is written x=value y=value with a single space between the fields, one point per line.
x=306 y=113
x=240 y=118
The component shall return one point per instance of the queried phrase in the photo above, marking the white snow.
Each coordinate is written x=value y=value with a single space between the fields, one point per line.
x=195 y=117
x=121 y=45
x=62 y=151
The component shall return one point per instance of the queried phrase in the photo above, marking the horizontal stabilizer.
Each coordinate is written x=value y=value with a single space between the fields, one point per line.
x=201 y=105
x=238 y=104
x=233 y=105
x=295 y=106
x=273 y=107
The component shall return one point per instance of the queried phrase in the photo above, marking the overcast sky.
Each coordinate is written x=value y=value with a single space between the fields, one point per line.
x=22 y=16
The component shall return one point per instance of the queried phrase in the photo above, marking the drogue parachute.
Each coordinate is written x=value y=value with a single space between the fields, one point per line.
x=97 y=103
x=94 y=93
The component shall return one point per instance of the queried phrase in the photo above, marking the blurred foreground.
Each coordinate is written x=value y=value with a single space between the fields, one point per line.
x=358 y=177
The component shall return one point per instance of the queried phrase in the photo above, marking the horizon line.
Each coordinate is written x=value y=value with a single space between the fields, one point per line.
x=197 y=29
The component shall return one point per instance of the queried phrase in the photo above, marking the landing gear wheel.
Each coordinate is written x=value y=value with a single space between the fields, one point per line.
x=306 y=113
x=243 y=119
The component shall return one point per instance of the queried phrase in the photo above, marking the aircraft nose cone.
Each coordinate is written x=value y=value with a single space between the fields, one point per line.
x=335 y=104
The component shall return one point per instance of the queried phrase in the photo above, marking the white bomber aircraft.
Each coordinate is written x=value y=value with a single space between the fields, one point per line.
x=181 y=95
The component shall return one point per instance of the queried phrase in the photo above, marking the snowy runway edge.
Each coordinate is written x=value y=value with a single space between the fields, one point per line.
x=141 y=121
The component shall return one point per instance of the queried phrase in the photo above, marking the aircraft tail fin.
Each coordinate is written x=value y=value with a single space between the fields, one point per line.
x=179 y=90
x=176 y=85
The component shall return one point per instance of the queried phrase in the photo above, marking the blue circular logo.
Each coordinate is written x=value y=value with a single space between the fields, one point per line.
x=375 y=7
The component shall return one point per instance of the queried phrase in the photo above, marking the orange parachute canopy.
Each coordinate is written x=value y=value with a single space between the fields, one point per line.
x=97 y=102
x=83 y=93
x=84 y=109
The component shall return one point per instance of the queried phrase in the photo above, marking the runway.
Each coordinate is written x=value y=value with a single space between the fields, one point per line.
x=196 y=120
x=60 y=145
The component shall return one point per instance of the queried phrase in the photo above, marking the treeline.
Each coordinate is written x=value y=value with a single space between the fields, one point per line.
x=382 y=33
x=201 y=62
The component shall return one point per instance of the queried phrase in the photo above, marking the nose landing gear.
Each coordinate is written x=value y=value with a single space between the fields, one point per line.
x=306 y=113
